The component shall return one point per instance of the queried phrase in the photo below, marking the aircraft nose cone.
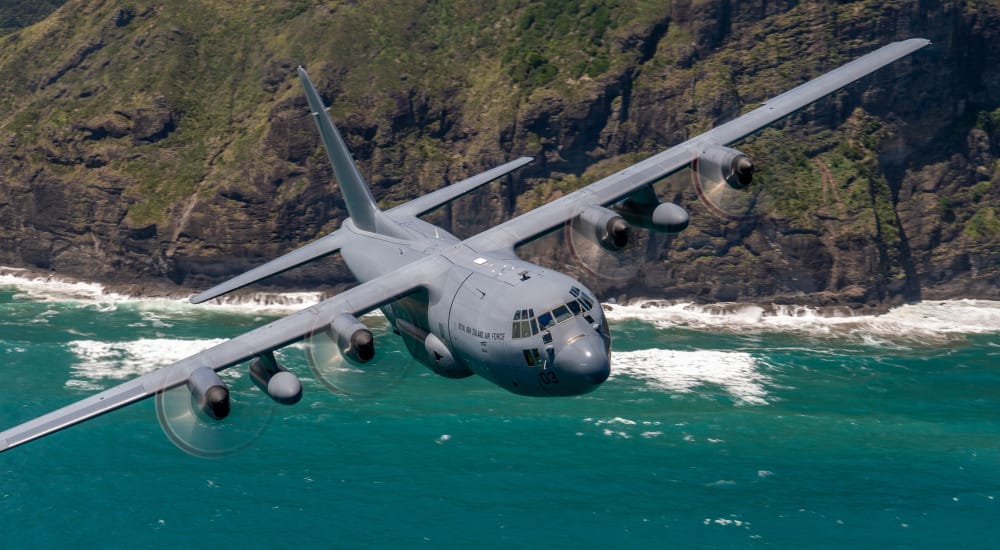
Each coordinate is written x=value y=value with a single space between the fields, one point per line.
x=584 y=359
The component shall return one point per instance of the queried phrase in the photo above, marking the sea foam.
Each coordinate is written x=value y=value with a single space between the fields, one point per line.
x=50 y=288
x=929 y=322
x=736 y=373
x=99 y=362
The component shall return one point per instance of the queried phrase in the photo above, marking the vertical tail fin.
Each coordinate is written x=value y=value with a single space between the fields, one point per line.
x=360 y=202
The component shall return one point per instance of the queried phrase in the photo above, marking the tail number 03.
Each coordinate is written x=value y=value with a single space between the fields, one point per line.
x=548 y=377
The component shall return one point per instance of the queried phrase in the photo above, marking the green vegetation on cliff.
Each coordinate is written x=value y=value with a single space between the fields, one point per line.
x=170 y=139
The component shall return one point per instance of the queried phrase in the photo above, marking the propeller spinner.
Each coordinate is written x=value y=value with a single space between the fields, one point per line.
x=342 y=356
x=723 y=179
x=212 y=418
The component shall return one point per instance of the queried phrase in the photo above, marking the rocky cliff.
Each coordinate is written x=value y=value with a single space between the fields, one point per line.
x=145 y=142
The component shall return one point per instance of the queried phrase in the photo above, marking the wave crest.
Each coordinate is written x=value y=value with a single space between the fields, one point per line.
x=922 y=322
x=736 y=373
x=115 y=361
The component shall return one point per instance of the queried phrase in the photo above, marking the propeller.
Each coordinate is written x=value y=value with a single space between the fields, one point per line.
x=212 y=418
x=349 y=373
x=726 y=185
x=612 y=265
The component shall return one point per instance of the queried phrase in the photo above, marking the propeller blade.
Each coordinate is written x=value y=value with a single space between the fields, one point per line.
x=199 y=433
x=348 y=376
x=733 y=200
x=612 y=265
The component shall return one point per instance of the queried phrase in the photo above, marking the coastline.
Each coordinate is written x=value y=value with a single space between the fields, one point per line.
x=933 y=320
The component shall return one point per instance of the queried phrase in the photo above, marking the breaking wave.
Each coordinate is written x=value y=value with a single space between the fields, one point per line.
x=736 y=373
x=100 y=362
x=50 y=288
x=930 y=322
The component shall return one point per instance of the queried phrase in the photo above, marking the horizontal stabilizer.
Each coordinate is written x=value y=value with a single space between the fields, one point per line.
x=312 y=251
x=447 y=194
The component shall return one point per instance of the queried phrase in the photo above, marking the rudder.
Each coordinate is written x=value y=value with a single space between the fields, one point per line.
x=361 y=204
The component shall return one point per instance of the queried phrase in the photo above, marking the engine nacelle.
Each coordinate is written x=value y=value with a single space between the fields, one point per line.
x=665 y=217
x=209 y=395
x=275 y=380
x=732 y=166
x=353 y=338
x=604 y=227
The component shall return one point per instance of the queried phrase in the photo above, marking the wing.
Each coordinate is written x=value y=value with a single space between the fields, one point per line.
x=319 y=248
x=356 y=301
x=430 y=201
x=528 y=226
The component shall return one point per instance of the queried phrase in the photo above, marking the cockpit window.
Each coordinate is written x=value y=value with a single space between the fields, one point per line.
x=526 y=324
x=561 y=313
x=545 y=320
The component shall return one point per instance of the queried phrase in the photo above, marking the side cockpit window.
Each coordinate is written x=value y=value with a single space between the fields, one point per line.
x=583 y=298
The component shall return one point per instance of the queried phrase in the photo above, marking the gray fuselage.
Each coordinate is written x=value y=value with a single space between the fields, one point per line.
x=527 y=329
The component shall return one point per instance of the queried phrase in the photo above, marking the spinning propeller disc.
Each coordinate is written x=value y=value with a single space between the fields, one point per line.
x=345 y=376
x=612 y=265
x=719 y=197
x=194 y=433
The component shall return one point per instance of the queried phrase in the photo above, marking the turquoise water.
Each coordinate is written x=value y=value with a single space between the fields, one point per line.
x=716 y=430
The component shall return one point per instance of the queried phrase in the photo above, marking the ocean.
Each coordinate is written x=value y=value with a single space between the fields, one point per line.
x=720 y=427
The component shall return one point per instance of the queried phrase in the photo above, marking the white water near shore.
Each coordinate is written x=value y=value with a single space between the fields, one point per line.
x=929 y=322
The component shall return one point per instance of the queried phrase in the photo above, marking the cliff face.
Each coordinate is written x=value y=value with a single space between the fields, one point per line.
x=149 y=142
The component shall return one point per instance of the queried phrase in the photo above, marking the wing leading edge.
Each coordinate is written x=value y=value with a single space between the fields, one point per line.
x=531 y=225
x=356 y=301
x=313 y=251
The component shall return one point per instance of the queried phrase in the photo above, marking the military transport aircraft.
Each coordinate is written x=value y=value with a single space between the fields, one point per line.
x=462 y=307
